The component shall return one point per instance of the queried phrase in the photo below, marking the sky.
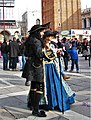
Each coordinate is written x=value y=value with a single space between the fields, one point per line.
x=85 y=3
x=22 y=5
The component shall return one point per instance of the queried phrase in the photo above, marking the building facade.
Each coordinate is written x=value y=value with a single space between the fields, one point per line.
x=30 y=18
x=8 y=27
x=86 y=18
x=62 y=14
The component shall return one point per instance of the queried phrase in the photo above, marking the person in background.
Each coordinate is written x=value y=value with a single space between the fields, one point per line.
x=13 y=53
x=10 y=62
x=19 y=54
x=85 y=48
x=79 y=46
x=22 y=52
x=4 y=52
x=90 y=46
x=0 y=50
x=57 y=46
x=66 y=47
x=74 y=57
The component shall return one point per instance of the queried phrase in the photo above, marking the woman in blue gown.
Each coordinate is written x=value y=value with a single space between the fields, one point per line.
x=58 y=95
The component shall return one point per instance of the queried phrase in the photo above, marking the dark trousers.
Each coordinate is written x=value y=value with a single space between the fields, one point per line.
x=66 y=63
x=5 y=60
x=10 y=63
x=14 y=62
x=74 y=62
x=23 y=61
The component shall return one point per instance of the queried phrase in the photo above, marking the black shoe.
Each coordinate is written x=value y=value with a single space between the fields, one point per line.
x=6 y=69
x=44 y=107
x=27 y=83
x=39 y=113
x=21 y=69
x=70 y=70
x=77 y=71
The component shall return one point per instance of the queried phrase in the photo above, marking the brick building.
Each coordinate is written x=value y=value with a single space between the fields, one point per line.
x=62 y=14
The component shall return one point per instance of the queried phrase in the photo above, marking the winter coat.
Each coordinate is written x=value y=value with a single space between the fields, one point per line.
x=4 y=48
x=73 y=53
x=13 y=49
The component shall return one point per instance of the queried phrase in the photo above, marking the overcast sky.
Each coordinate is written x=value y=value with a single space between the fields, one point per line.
x=22 y=5
x=85 y=3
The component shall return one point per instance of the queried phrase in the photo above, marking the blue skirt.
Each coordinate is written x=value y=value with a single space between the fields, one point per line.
x=54 y=94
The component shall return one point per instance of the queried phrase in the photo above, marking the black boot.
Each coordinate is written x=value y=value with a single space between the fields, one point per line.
x=36 y=111
x=31 y=99
x=39 y=113
x=43 y=105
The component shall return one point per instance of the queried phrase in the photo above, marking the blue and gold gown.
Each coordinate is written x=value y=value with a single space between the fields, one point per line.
x=53 y=87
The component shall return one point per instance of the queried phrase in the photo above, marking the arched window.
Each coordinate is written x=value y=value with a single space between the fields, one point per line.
x=90 y=22
x=84 y=23
x=6 y=34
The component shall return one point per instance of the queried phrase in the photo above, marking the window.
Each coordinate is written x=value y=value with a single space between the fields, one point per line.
x=84 y=23
x=90 y=21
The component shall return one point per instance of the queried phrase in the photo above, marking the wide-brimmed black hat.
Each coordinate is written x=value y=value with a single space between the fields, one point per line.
x=36 y=28
x=48 y=33
x=47 y=25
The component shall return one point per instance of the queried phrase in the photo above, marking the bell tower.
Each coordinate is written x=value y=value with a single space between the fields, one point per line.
x=62 y=14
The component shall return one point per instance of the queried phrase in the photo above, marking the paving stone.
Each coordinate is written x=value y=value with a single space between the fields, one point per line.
x=2 y=84
x=18 y=112
x=5 y=76
x=5 y=115
x=25 y=87
x=4 y=91
x=77 y=88
x=22 y=98
x=10 y=101
x=82 y=97
x=16 y=88
x=59 y=118
x=82 y=109
x=13 y=99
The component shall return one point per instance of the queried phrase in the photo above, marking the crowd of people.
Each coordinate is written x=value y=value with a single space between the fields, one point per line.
x=40 y=59
x=12 y=52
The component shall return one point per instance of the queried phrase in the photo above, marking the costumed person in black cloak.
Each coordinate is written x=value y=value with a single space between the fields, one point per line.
x=34 y=53
x=26 y=68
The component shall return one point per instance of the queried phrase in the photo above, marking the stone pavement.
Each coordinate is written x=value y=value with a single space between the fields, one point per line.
x=13 y=96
